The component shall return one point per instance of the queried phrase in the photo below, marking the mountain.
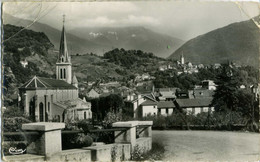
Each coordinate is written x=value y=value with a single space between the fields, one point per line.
x=75 y=44
x=237 y=42
x=101 y=40
x=130 y=38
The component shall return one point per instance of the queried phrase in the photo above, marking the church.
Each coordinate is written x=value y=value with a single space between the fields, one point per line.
x=47 y=99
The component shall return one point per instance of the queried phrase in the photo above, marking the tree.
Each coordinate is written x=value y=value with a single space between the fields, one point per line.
x=229 y=97
x=225 y=97
x=101 y=106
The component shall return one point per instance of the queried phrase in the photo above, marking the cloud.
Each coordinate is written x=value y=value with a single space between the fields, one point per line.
x=141 y=20
x=100 y=21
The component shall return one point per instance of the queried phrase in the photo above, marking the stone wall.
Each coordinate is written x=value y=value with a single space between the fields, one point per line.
x=48 y=146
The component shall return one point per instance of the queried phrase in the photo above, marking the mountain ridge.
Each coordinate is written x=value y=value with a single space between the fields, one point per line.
x=79 y=41
x=237 y=42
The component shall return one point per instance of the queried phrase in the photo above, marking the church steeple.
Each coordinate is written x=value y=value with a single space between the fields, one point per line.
x=63 y=64
x=182 y=59
x=63 y=53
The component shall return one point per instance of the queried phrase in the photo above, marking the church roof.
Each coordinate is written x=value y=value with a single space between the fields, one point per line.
x=46 y=83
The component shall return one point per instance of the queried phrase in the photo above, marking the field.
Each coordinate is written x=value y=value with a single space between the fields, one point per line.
x=209 y=145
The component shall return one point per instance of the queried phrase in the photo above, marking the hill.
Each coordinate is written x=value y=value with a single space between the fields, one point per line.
x=237 y=42
x=101 y=40
x=36 y=48
x=20 y=45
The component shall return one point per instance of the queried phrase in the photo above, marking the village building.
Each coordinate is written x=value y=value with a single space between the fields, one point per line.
x=93 y=93
x=201 y=93
x=166 y=94
x=166 y=108
x=209 y=84
x=195 y=106
x=140 y=105
x=47 y=99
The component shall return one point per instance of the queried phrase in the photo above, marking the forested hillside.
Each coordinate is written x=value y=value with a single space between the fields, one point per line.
x=20 y=45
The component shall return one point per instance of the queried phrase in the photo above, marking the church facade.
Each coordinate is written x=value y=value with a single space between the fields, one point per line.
x=47 y=99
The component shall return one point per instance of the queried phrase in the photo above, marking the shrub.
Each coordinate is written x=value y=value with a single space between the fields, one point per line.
x=83 y=141
x=155 y=154
x=70 y=141
x=13 y=111
x=84 y=125
x=137 y=153
x=110 y=118
x=14 y=124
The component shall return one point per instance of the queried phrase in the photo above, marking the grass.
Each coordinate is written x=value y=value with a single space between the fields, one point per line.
x=155 y=154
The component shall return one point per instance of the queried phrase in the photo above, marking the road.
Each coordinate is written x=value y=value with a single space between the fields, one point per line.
x=209 y=145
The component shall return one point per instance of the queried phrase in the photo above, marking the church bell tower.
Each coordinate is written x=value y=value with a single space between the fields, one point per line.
x=63 y=64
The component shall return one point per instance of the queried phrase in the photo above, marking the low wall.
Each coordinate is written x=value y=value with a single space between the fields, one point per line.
x=70 y=155
x=47 y=147
x=110 y=152
x=24 y=157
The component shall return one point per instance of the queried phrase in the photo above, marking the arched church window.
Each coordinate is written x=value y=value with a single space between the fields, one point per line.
x=49 y=107
x=61 y=73
x=62 y=60
x=41 y=112
x=64 y=71
x=58 y=118
x=85 y=115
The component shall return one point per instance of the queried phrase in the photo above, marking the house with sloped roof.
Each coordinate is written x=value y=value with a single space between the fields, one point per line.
x=166 y=107
x=93 y=93
x=140 y=105
x=201 y=93
x=194 y=105
x=166 y=94
x=149 y=106
x=48 y=99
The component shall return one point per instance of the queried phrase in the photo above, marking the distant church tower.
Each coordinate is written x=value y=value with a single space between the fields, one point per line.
x=63 y=64
x=182 y=59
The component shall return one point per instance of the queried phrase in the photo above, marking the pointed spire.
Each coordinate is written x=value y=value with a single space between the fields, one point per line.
x=63 y=53
x=74 y=80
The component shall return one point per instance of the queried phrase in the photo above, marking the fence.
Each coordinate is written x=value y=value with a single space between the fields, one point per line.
x=47 y=142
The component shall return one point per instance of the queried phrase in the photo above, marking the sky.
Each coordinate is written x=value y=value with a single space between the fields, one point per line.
x=183 y=20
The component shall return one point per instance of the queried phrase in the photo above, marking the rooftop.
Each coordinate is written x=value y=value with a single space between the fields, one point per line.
x=195 y=102
x=149 y=102
x=166 y=104
x=46 y=83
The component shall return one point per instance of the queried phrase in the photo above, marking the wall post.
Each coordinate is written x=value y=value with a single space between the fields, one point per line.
x=129 y=136
x=49 y=141
x=146 y=128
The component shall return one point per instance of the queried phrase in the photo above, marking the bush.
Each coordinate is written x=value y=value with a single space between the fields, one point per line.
x=83 y=141
x=14 y=124
x=155 y=154
x=70 y=141
x=137 y=153
x=84 y=125
x=13 y=111
x=110 y=118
